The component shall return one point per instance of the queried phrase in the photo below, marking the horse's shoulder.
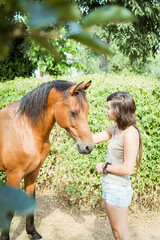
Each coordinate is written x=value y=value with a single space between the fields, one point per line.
x=9 y=111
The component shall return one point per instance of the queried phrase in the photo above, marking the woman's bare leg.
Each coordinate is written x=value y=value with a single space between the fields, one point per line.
x=118 y=217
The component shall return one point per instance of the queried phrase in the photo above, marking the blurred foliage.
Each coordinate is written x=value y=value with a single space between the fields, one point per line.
x=26 y=57
x=138 y=40
x=89 y=63
x=39 y=34
x=12 y=199
x=72 y=176
x=18 y=61
x=152 y=67
x=50 y=13
x=28 y=28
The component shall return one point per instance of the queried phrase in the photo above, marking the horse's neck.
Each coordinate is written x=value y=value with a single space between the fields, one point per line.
x=49 y=120
x=44 y=129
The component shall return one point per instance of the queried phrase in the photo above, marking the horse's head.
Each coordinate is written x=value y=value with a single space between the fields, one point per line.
x=71 y=113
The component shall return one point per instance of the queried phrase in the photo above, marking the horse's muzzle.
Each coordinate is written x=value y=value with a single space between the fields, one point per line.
x=85 y=148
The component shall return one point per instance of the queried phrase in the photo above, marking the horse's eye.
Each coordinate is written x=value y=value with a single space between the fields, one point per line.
x=74 y=113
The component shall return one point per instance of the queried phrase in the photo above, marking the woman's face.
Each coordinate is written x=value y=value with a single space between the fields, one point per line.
x=110 y=112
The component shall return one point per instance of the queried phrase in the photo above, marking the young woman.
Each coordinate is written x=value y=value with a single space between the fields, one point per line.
x=125 y=143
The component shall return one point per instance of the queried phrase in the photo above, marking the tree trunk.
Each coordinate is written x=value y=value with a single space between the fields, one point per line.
x=106 y=64
x=27 y=65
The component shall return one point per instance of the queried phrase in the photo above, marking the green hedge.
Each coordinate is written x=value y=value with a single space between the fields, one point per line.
x=73 y=176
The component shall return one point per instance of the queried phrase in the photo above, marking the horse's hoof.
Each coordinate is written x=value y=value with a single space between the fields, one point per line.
x=36 y=236
x=5 y=237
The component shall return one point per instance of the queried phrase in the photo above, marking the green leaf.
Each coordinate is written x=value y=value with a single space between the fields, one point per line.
x=77 y=33
x=12 y=199
x=54 y=2
x=106 y=15
x=90 y=41
x=42 y=15
x=11 y=4
x=74 y=28
x=68 y=12
x=45 y=44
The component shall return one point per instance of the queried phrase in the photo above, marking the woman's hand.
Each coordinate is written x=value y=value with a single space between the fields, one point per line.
x=99 y=167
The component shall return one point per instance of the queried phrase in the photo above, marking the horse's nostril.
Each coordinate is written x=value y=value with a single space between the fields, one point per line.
x=87 y=148
x=78 y=148
x=84 y=148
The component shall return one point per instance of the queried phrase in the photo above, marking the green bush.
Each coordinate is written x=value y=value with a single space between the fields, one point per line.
x=151 y=68
x=73 y=176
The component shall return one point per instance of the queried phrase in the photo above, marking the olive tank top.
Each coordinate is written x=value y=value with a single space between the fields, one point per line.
x=115 y=156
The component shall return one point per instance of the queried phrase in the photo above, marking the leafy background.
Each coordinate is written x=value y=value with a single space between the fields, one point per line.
x=36 y=34
x=72 y=176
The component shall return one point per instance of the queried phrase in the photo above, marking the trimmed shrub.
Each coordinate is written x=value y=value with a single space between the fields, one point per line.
x=72 y=176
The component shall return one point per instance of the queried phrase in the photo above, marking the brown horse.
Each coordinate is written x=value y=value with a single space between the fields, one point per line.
x=25 y=127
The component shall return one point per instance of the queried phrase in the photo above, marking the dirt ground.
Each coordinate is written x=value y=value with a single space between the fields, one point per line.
x=55 y=221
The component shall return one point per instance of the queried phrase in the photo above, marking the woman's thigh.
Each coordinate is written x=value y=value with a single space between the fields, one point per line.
x=118 y=217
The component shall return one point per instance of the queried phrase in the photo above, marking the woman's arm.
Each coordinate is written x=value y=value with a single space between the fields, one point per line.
x=101 y=137
x=104 y=135
x=130 y=143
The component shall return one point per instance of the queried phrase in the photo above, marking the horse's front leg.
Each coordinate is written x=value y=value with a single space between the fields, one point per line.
x=5 y=233
x=30 y=184
x=13 y=179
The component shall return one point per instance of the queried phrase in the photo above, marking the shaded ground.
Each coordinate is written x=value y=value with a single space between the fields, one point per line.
x=54 y=221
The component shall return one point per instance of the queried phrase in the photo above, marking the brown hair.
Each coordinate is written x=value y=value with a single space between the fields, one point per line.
x=124 y=107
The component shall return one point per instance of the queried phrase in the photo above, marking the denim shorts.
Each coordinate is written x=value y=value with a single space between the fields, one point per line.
x=119 y=196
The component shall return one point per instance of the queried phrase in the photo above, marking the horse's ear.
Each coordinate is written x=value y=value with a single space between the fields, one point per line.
x=86 y=85
x=74 y=89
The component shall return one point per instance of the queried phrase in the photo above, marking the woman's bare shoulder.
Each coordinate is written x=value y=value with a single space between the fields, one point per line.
x=132 y=133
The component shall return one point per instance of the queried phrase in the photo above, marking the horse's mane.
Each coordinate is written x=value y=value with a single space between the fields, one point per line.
x=34 y=103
